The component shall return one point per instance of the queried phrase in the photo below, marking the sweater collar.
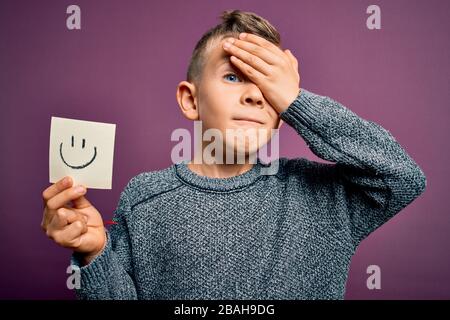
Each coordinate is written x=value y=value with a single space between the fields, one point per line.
x=218 y=184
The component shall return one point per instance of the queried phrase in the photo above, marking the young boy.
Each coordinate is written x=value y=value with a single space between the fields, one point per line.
x=227 y=231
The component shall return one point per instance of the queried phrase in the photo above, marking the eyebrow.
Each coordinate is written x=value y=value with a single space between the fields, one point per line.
x=223 y=60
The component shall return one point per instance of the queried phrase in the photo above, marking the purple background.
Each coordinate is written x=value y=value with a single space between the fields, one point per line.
x=123 y=67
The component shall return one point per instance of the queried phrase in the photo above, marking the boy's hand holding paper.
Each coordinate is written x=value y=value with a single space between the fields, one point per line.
x=81 y=155
x=78 y=227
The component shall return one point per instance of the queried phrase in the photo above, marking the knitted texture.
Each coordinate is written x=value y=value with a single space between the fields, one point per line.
x=289 y=235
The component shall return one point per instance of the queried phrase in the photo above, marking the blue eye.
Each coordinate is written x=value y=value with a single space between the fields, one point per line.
x=231 y=74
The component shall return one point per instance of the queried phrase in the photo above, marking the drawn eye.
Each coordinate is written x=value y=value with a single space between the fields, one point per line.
x=230 y=74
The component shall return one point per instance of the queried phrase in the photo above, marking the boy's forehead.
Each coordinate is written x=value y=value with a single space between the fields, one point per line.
x=216 y=54
x=221 y=59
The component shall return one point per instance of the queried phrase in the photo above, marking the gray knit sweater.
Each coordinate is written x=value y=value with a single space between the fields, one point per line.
x=290 y=235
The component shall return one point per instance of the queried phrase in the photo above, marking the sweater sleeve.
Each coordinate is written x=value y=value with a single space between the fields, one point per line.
x=110 y=274
x=377 y=176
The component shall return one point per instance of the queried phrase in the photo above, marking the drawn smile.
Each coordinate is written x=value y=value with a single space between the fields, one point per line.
x=79 y=166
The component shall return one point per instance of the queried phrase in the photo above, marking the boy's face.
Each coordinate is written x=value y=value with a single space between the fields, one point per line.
x=226 y=99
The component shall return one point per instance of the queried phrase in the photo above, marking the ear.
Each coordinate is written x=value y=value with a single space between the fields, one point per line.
x=187 y=100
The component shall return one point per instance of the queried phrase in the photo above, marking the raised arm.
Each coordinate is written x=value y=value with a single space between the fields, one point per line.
x=376 y=176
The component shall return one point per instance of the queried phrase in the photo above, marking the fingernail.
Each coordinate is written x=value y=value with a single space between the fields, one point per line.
x=230 y=40
x=65 y=181
x=79 y=189
x=242 y=35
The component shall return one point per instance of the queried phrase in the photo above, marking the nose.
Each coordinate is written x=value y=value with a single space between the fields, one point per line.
x=253 y=96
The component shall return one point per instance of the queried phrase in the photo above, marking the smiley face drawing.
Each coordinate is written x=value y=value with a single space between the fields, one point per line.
x=77 y=166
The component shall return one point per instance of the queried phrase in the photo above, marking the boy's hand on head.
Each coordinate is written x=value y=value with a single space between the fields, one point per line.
x=78 y=227
x=273 y=70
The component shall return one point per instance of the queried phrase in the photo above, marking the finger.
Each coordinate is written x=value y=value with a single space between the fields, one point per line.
x=65 y=196
x=266 y=55
x=292 y=58
x=260 y=41
x=256 y=62
x=250 y=72
x=48 y=216
x=81 y=202
x=56 y=188
x=58 y=220
x=286 y=52
x=64 y=217
x=70 y=236
x=73 y=216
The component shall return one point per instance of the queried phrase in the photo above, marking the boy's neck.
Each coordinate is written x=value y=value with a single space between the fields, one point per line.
x=220 y=170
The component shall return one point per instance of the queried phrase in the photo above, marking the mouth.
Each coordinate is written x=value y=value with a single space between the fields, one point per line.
x=248 y=121
x=74 y=166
